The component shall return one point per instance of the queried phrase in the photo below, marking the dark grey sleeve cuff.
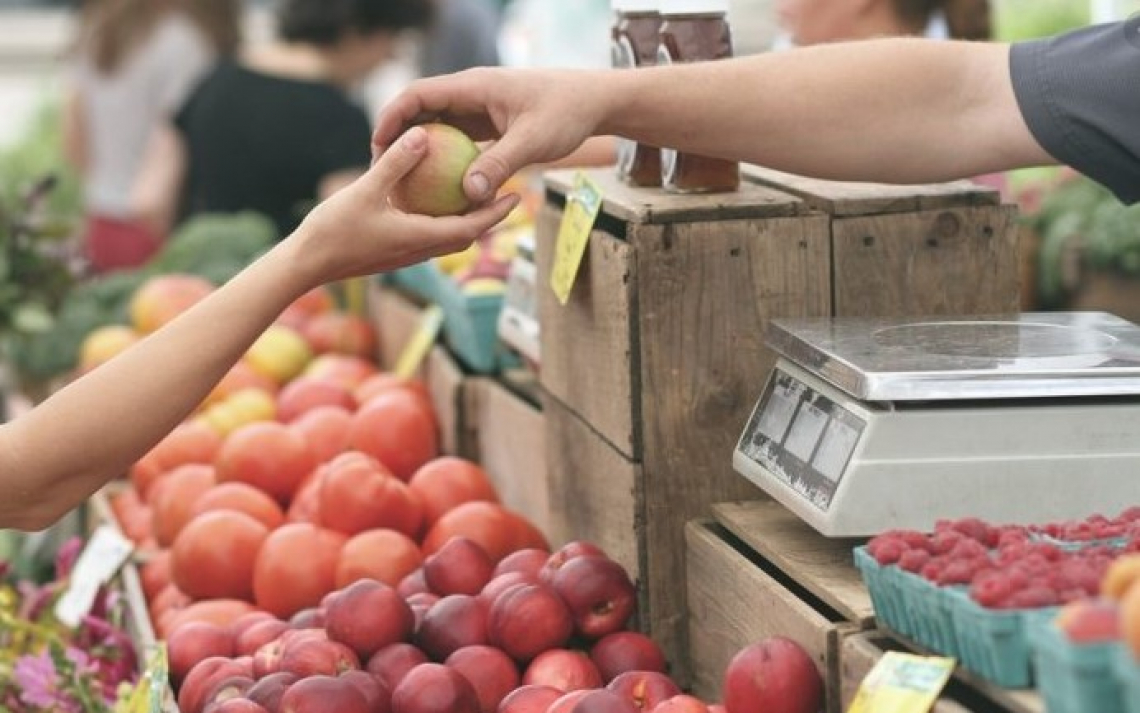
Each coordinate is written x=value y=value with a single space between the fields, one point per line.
x=1080 y=96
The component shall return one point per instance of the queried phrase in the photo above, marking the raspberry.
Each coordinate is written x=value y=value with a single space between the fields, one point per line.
x=991 y=589
x=889 y=552
x=968 y=549
x=914 y=539
x=914 y=560
x=932 y=570
x=945 y=541
x=1034 y=597
x=1132 y=514
x=1011 y=535
x=956 y=572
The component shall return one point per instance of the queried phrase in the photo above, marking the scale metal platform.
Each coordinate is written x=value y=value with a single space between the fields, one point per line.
x=866 y=425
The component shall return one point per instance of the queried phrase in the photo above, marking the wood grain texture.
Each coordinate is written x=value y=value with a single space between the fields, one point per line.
x=734 y=603
x=654 y=205
x=394 y=317
x=952 y=261
x=511 y=447
x=706 y=294
x=845 y=198
x=588 y=345
x=823 y=566
x=858 y=654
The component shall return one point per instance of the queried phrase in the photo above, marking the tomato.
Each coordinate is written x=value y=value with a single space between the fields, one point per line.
x=180 y=489
x=215 y=553
x=155 y=574
x=133 y=516
x=315 y=301
x=269 y=456
x=384 y=555
x=307 y=393
x=361 y=495
x=241 y=498
x=306 y=507
x=190 y=442
x=341 y=333
x=487 y=524
x=240 y=377
x=219 y=612
x=325 y=429
x=396 y=429
x=170 y=600
x=344 y=369
x=446 y=482
x=379 y=383
x=296 y=568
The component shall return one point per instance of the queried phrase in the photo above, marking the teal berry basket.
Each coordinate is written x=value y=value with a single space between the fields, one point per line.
x=1127 y=671
x=933 y=608
x=994 y=644
x=885 y=597
x=421 y=280
x=1073 y=677
x=471 y=329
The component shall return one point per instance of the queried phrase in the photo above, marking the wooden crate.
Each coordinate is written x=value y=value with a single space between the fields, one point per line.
x=507 y=436
x=757 y=571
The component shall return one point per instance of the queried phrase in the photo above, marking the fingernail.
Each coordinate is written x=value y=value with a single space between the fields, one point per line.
x=415 y=138
x=478 y=185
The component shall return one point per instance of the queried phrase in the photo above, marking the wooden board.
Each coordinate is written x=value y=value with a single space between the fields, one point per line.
x=510 y=444
x=950 y=261
x=597 y=489
x=858 y=655
x=588 y=346
x=734 y=602
x=845 y=198
x=823 y=566
x=395 y=318
x=654 y=205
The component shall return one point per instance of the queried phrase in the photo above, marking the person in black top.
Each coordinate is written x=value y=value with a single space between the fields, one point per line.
x=275 y=130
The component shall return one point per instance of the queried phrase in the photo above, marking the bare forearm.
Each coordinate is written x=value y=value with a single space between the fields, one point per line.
x=127 y=405
x=886 y=110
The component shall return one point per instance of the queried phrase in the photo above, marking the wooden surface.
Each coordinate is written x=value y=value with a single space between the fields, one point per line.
x=822 y=566
x=596 y=488
x=511 y=446
x=395 y=318
x=734 y=603
x=952 y=261
x=858 y=654
x=842 y=198
x=654 y=205
x=588 y=345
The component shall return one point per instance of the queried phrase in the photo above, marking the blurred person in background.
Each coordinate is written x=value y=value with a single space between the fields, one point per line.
x=133 y=65
x=275 y=129
x=463 y=35
x=813 y=22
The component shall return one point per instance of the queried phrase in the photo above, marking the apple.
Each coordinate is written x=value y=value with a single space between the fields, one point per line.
x=194 y=641
x=452 y=623
x=434 y=688
x=314 y=658
x=250 y=641
x=681 y=704
x=528 y=619
x=323 y=694
x=603 y=701
x=306 y=393
x=489 y=671
x=645 y=689
x=530 y=699
x=563 y=669
x=459 y=567
x=391 y=663
x=528 y=562
x=202 y=679
x=377 y=695
x=622 y=651
x=1088 y=621
x=598 y=592
x=776 y=676
x=268 y=690
x=366 y=616
x=435 y=186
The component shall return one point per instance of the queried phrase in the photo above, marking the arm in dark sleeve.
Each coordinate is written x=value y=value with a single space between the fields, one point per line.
x=1080 y=96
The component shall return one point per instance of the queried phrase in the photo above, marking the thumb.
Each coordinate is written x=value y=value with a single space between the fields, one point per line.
x=399 y=158
x=497 y=164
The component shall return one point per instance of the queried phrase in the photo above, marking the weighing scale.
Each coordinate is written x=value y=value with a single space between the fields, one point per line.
x=866 y=425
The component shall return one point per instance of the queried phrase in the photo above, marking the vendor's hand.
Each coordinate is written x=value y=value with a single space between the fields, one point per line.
x=534 y=116
x=358 y=231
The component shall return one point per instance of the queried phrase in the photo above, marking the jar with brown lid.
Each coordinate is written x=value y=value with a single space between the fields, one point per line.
x=635 y=38
x=695 y=31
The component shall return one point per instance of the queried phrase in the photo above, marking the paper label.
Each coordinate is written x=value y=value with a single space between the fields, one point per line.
x=420 y=344
x=902 y=683
x=582 y=206
x=149 y=694
x=106 y=551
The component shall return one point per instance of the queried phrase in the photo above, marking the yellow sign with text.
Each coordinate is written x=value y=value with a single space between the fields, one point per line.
x=902 y=683
x=582 y=206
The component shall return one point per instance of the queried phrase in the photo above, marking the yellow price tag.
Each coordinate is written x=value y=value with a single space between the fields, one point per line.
x=420 y=343
x=902 y=683
x=149 y=695
x=582 y=206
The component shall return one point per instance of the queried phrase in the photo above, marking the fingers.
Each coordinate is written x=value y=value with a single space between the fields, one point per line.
x=503 y=159
x=458 y=229
x=400 y=158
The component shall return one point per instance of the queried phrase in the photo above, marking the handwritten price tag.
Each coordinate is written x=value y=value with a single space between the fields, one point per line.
x=582 y=206
x=420 y=343
x=902 y=683
x=105 y=552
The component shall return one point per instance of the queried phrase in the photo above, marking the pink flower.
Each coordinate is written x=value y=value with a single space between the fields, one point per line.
x=39 y=685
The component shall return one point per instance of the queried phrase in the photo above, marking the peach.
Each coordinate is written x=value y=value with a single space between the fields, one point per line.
x=313 y=658
x=1090 y=620
x=307 y=618
x=377 y=695
x=645 y=689
x=774 y=675
x=598 y=592
x=530 y=699
x=250 y=641
x=391 y=663
x=420 y=603
x=528 y=619
x=603 y=701
x=563 y=669
x=342 y=333
x=434 y=688
x=681 y=704
x=622 y=651
x=323 y=694
x=367 y=616
x=502 y=583
x=194 y=642
x=1121 y=574
x=268 y=690
x=568 y=701
x=203 y=678
x=452 y=623
x=163 y=297
x=489 y=671
x=227 y=689
x=569 y=551
x=413 y=583
x=459 y=567
x=237 y=705
x=103 y=344
x=280 y=353
x=528 y=562
x=435 y=186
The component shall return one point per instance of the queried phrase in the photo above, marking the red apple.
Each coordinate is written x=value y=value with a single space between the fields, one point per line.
x=307 y=393
x=202 y=679
x=258 y=635
x=622 y=651
x=323 y=694
x=568 y=701
x=267 y=692
x=603 y=701
x=434 y=688
x=194 y=642
x=528 y=562
x=567 y=552
x=530 y=699
x=528 y=619
x=452 y=623
x=435 y=185
x=489 y=671
x=775 y=676
x=645 y=689
x=366 y=616
x=413 y=583
x=391 y=663
x=598 y=592
x=459 y=567
x=563 y=669
x=376 y=694
x=681 y=704
x=502 y=583
x=317 y=658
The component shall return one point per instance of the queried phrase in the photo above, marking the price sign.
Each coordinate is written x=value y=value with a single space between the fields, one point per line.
x=106 y=551
x=902 y=683
x=582 y=206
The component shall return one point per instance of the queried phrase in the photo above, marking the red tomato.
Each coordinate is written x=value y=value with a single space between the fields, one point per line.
x=396 y=429
x=269 y=456
x=296 y=568
x=214 y=555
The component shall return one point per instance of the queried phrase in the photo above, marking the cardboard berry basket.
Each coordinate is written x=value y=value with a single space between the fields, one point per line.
x=1075 y=677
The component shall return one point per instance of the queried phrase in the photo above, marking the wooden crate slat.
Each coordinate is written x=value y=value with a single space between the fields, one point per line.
x=823 y=566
